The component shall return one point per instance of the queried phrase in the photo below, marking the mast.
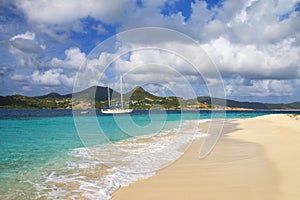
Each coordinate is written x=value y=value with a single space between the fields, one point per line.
x=108 y=96
x=121 y=90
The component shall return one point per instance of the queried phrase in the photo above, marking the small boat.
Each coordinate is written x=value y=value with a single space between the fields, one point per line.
x=110 y=110
x=84 y=112
x=116 y=111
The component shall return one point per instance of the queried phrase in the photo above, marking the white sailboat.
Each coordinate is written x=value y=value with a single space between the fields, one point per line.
x=121 y=110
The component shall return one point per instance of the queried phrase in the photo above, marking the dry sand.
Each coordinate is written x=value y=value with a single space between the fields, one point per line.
x=256 y=158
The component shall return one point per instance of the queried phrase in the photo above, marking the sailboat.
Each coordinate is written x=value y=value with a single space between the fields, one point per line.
x=121 y=110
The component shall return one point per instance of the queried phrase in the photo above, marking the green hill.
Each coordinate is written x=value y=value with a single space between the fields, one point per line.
x=295 y=105
x=54 y=95
x=250 y=105
x=141 y=99
x=138 y=98
x=19 y=101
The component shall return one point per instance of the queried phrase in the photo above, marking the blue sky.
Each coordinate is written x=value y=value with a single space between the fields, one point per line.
x=254 y=44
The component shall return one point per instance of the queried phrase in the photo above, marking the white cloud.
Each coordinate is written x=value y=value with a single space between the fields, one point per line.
x=161 y=66
x=26 y=36
x=73 y=59
x=26 y=49
x=91 y=71
x=139 y=67
x=259 y=88
x=273 y=61
x=50 y=77
x=27 y=43
x=258 y=21
x=19 y=78
x=58 y=17
x=65 y=11
x=67 y=81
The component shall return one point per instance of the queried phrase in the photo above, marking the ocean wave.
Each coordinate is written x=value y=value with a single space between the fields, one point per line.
x=96 y=172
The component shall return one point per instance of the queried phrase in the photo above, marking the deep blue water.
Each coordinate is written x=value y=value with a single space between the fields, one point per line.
x=30 y=139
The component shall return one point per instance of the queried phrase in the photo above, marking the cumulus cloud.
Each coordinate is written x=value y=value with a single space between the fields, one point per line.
x=259 y=88
x=273 y=61
x=73 y=59
x=64 y=11
x=58 y=17
x=50 y=77
x=249 y=21
x=157 y=66
x=92 y=71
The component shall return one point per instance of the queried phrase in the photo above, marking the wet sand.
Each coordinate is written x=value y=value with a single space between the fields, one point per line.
x=255 y=158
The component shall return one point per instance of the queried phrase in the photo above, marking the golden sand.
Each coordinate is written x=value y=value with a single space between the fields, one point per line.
x=255 y=158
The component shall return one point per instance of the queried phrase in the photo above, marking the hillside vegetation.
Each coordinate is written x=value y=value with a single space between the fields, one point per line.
x=138 y=98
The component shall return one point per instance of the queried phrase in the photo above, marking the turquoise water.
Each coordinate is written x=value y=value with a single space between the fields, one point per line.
x=37 y=145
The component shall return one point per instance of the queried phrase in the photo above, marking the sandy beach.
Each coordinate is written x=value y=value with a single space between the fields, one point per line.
x=256 y=158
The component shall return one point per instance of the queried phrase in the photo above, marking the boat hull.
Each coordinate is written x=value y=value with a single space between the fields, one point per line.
x=116 y=111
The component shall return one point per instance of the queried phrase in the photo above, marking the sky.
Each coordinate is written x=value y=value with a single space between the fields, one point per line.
x=253 y=46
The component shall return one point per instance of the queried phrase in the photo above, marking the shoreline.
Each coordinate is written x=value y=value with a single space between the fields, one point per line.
x=224 y=110
x=254 y=159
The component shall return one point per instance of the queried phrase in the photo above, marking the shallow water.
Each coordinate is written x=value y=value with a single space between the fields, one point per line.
x=43 y=156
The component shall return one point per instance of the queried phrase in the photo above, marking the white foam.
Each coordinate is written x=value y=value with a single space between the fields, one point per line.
x=128 y=161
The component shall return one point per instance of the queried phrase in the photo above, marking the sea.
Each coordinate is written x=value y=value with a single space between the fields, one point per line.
x=65 y=154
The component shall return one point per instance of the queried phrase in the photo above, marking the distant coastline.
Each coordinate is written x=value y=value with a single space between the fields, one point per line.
x=139 y=99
